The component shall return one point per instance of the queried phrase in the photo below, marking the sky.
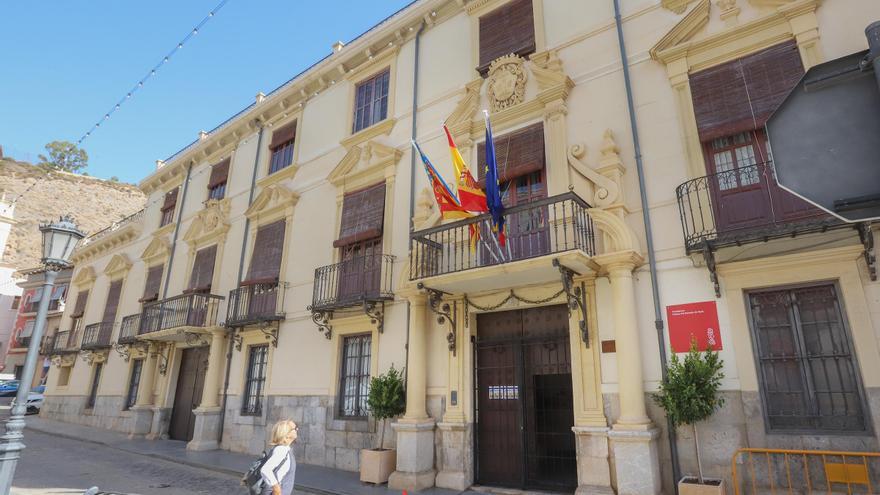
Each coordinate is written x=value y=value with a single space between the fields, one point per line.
x=65 y=63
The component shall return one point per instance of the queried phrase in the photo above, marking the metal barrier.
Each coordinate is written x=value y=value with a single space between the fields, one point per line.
x=97 y=335
x=255 y=303
x=186 y=310
x=352 y=282
x=129 y=329
x=760 y=471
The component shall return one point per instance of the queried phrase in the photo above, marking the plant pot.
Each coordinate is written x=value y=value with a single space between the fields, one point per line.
x=377 y=465
x=690 y=485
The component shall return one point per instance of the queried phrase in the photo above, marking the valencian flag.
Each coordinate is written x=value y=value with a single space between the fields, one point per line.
x=493 y=190
x=448 y=203
x=471 y=197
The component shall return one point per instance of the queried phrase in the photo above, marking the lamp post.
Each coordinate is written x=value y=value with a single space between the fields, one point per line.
x=59 y=239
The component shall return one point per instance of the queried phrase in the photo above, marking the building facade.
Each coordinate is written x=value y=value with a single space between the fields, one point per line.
x=292 y=253
x=23 y=328
x=10 y=292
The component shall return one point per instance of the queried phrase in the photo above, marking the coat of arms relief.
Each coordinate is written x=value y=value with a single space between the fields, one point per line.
x=507 y=82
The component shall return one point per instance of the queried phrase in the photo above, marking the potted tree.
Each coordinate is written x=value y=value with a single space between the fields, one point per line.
x=385 y=400
x=689 y=394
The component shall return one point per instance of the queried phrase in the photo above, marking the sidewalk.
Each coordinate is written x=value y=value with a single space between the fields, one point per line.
x=309 y=478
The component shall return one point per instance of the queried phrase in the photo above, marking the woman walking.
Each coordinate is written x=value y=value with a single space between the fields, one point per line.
x=280 y=469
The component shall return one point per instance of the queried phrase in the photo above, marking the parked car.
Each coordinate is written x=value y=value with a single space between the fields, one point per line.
x=9 y=388
x=34 y=402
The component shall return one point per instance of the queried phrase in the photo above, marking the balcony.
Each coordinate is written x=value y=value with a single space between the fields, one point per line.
x=555 y=227
x=179 y=312
x=358 y=281
x=256 y=303
x=744 y=205
x=63 y=342
x=23 y=341
x=97 y=336
x=46 y=345
x=129 y=329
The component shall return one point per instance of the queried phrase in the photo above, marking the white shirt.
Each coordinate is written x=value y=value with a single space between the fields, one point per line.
x=277 y=466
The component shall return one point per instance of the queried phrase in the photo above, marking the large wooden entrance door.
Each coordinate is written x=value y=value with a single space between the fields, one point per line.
x=524 y=407
x=190 y=382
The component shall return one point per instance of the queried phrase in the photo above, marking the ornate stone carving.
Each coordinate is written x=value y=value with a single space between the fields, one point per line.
x=507 y=82
x=210 y=223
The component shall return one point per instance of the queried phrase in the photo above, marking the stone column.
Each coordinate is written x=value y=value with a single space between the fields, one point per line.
x=633 y=437
x=207 y=426
x=415 y=431
x=142 y=411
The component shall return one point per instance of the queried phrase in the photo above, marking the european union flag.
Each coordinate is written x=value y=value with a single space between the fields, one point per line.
x=493 y=190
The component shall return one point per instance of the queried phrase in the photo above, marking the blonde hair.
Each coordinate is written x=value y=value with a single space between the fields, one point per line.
x=282 y=430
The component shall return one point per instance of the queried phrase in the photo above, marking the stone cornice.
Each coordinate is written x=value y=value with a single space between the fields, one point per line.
x=121 y=237
x=394 y=31
x=382 y=128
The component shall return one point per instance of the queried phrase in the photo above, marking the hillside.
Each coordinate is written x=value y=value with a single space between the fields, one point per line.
x=94 y=204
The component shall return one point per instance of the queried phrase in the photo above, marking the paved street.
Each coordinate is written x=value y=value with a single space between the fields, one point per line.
x=53 y=465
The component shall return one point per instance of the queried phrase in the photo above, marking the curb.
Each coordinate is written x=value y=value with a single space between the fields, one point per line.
x=176 y=460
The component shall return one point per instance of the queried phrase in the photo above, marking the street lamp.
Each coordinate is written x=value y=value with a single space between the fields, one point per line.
x=59 y=240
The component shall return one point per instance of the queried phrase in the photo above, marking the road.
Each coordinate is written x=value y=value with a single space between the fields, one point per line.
x=54 y=465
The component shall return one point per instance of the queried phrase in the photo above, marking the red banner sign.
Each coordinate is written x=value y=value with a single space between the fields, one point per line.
x=693 y=321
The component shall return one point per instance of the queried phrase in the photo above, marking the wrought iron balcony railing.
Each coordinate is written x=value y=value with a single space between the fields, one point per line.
x=353 y=282
x=63 y=342
x=97 y=335
x=23 y=341
x=743 y=205
x=256 y=303
x=129 y=329
x=547 y=226
x=186 y=310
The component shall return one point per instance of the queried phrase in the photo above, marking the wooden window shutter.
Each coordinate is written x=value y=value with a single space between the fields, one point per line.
x=112 y=301
x=170 y=199
x=154 y=282
x=283 y=135
x=266 y=258
x=741 y=95
x=219 y=173
x=82 y=299
x=507 y=29
x=363 y=213
x=517 y=153
x=202 y=270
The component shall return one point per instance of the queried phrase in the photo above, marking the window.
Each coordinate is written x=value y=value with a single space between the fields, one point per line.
x=154 y=282
x=18 y=371
x=355 y=377
x=371 y=101
x=217 y=182
x=202 y=270
x=134 y=381
x=281 y=146
x=266 y=257
x=93 y=390
x=168 y=207
x=112 y=304
x=258 y=359
x=360 y=244
x=16 y=301
x=735 y=159
x=79 y=310
x=507 y=29
x=57 y=297
x=34 y=302
x=24 y=337
x=64 y=376
x=808 y=375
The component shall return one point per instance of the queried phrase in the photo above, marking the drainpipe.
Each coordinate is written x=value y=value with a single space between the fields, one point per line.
x=646 y=218
x=247 y=224
x=176 y=230
x=412 y=180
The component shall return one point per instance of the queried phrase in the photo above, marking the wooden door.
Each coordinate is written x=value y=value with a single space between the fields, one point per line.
x=527 y=231
x=525 y=407
x=188 y=396
x=360 y=270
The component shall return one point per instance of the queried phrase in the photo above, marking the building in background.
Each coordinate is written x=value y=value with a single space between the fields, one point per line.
x=301 y=236
x=10 y=292
x=19 y=340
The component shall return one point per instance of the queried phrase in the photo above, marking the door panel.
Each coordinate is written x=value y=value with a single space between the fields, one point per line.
x=188 y=396
x=524 y=400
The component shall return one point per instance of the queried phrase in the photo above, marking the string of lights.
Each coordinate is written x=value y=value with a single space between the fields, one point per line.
x=152 y=72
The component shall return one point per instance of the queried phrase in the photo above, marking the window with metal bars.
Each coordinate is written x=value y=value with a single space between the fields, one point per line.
x=355 y=377
x=810 y=381
x=258 y=359
x=134 y=382
x=93 y=390
x=371 y=101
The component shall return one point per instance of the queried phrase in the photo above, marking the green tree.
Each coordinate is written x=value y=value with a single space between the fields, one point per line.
x=386 y=398
x=64 y=155
x=689 y=393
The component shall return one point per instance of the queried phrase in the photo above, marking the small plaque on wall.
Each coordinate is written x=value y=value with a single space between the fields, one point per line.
x=609 y=346
x=693 y=321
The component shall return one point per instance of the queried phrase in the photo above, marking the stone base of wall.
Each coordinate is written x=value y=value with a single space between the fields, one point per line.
x=738 y=424
x=108 y=412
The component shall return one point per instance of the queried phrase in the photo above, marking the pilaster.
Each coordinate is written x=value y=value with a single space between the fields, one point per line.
x=636 y=461
x=211 y=391
x=415 y=455
x=206 y=430
x=594 y=470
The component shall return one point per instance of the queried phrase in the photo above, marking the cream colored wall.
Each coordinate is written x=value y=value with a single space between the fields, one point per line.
x=585 y=37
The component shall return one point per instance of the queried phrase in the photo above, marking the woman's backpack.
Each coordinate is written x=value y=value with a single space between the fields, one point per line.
x=252 y=479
